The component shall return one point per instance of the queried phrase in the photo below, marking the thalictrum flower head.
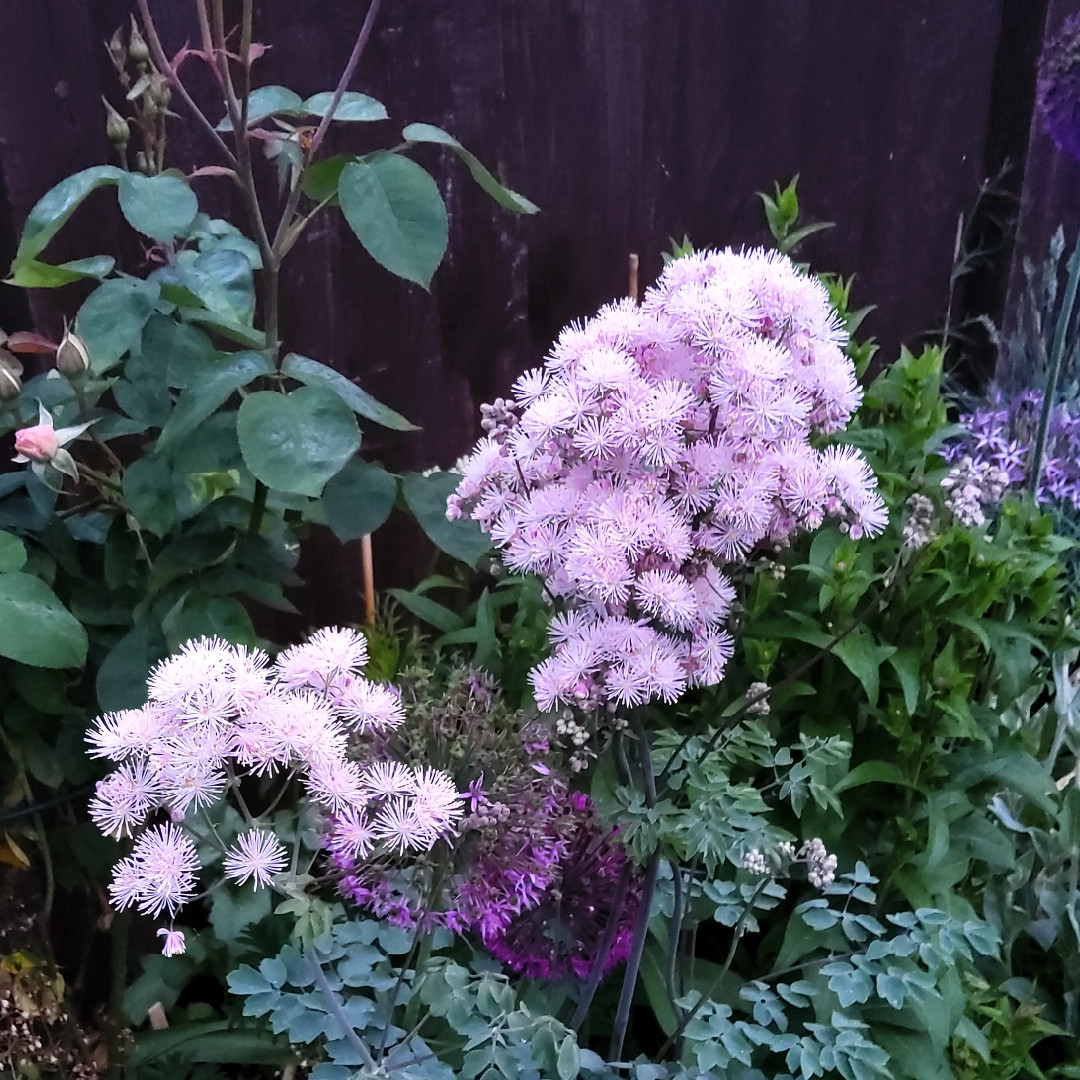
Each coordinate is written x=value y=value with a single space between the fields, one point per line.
x=656 y=449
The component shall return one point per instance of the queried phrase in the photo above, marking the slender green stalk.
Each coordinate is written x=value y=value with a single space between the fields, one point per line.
x=674 y=933
x=1053 y=371
x=648 y=888
x=736 y=937
x=118 y=934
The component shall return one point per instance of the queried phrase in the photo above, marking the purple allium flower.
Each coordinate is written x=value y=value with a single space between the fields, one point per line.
x=1059 y=87
x=508 y=804
x=659 y=446
x=993 y=455
x=561 y=934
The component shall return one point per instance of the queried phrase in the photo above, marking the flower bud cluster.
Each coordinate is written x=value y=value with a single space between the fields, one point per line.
x=971 y=485
x=658 y=446
x=919 y=529
x=499 y=418
x=757 y=696
x=570 y=730
x=820 y=865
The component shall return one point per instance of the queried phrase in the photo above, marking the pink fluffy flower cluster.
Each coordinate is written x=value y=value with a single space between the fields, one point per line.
x=218 y=712
x=658 y=446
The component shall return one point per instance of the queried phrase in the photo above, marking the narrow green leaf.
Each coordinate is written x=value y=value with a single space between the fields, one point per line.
x=873 y=772
x=313 y=373
x=442 y=618
x=510 y=200
x=228 y=328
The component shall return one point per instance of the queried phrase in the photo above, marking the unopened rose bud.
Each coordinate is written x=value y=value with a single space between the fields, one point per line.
x=116 y=127
x=137 y=49
x=38 y=443
x=72 y=357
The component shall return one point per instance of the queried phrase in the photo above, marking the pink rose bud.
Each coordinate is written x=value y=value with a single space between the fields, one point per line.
x=38 y=443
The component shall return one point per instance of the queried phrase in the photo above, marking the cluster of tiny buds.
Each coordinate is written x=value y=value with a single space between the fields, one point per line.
x=757 y=697
x=616 y=720
x=572 y=731
x=971 y=485
x=919 y=528
x=765 y=565
x=487 y=815
x=499 y=418
x=581 y=759
x=820 y=865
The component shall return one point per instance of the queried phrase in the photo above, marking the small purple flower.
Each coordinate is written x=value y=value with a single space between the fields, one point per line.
x=174 y=944
x=475 y=793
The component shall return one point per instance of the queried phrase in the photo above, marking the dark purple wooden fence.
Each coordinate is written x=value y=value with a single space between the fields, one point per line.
x=628 y=122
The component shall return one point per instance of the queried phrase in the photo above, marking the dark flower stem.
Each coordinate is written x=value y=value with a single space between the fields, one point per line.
x=674 y=933
x=641 y=926
x=1053 y=371
x=596 y=975
x=633 y=962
